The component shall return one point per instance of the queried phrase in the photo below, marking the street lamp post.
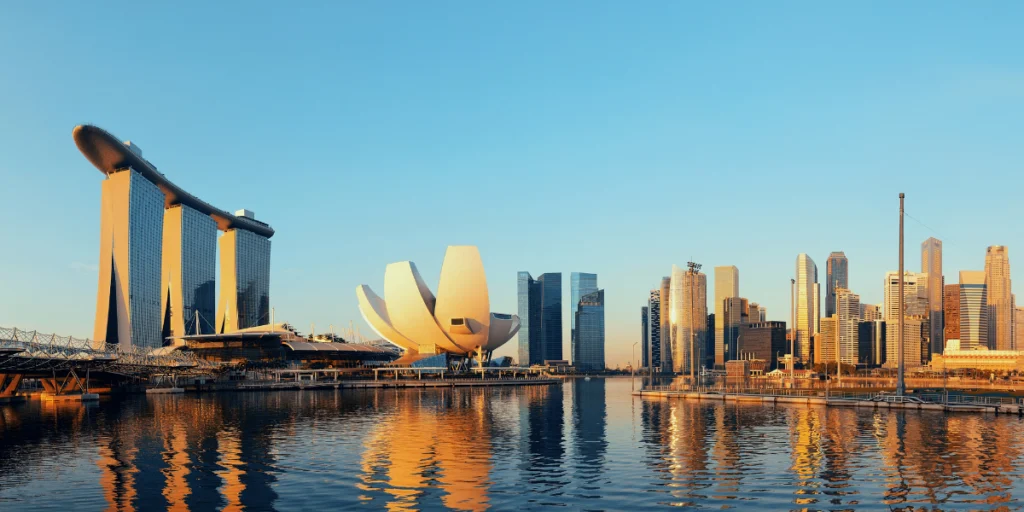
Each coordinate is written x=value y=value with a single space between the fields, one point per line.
x=632 y=380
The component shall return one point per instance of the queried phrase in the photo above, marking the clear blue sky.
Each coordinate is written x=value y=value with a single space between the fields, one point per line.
x=616 y=138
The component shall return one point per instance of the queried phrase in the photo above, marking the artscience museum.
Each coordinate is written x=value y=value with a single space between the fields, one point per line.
x=456 y=321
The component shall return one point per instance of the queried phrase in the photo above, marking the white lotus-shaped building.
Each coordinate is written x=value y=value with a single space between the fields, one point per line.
x=458 y=320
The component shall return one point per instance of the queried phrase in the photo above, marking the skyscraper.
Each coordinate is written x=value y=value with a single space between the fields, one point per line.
x=540 y=317
x=1000 y=307
x=870 y=312
x=950 y=312
x=688 y=312
x=654 y=331
x=245 y=280
x=931 y=264
x=848 y=318
x=665 y=336
x=974 y=310
x=131 y=245
x=1018 y=325
x=645 y=338
x=826 y=341
x=189 y=269
x=763 y=340
x=727 y=285
x=590 y=332
x=838 y=275
x=580 y=284
x=915 y=305
x=736 y=313
x=807 y=312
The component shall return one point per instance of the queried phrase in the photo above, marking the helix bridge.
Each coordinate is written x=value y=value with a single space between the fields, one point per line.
x=64 y=364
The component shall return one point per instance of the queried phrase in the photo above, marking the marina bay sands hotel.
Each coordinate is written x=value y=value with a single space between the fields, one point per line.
x=158 y=253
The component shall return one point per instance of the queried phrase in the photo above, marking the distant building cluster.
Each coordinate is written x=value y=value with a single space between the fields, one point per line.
x=978 y=317
x=540 y=313
x=158 y=254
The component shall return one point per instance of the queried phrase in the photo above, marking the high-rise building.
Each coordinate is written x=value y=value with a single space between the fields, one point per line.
x=727 y=285
x=826 y=341
x=131 y=244
x=590 y=332
x=1000 y=307
x=848 y=318
x=763 y=340
x=870 y=312
x=665 y=341
x=931 y=264
x=653 y=352
x=245 y=281
x=540 y=317
x=1018 y=325
x=915 y=305
x=735 y=314
x=688 y=311
x=807 y=307
x=974 y=310
x=645 y=338
x=871 y=342
x=709 y=342
x=189 y=269
x=838 y=275
x=580 y=284
x=758 y=313
x=950 y=313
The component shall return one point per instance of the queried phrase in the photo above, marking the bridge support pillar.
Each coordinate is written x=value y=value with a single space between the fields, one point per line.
x=69 y=384
x=9 y=384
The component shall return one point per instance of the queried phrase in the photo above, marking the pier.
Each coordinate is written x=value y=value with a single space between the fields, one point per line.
x=922 y=402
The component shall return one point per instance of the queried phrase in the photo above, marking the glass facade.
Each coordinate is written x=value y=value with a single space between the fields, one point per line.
x=590 y=332
x=974 y=322
x=727 y=285
x=838 y=275
x=653 y=352
x=688 y=311
x=807 y=312
x=644 y=338
x=252 y=263
x=198 y=270
x=580 y=284
x=931 y=264
x=540 y=317
x=145 y=244
x=1000 y=299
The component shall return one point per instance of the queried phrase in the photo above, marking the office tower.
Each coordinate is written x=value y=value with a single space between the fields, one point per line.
x=727 y=285
x=665 y=336
x=688 y=316
x=1000 y=309
x=131 y=245
x=931 y=264
x=187 y=290
x=950 y=313
x=915 y=306
x=870 y=312
x=735 y=312
x=710 y=345
x=974 y=310
x=837 y=273
x=580 y=284
x=540 y=317
x=590 y=332
x=826 y=341
x=758 y=313
x=245 y=281
x=871 y=342
x=645 y=338
x=807 y=311
x=1018 y=324
x=653 y=352
x=763 y=340
x=848 y=318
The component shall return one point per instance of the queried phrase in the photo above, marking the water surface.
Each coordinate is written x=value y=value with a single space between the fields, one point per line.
x=578 y=445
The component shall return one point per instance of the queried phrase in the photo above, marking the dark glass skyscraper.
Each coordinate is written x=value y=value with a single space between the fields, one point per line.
x=540 y=317
x=580 y=284
x=644 y=338
x=837 y=269
x=589 y=349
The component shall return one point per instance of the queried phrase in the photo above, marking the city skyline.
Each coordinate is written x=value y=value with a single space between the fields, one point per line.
x=598 y=123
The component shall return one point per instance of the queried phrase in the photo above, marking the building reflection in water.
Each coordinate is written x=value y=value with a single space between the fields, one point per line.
x=432 y=441
x=590 y=443
x=542 y=423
